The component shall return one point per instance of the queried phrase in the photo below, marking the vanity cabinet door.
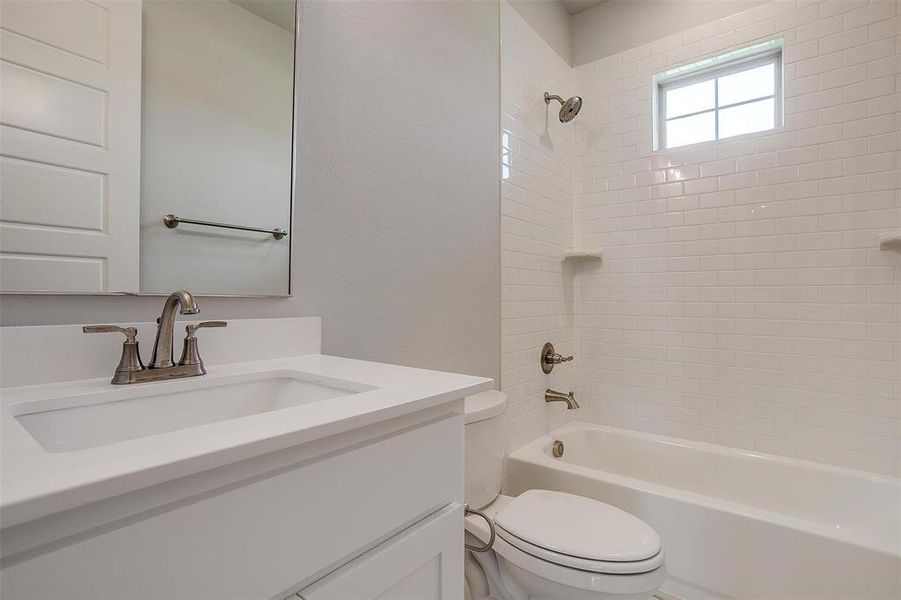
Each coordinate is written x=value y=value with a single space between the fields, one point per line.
x=424 y=562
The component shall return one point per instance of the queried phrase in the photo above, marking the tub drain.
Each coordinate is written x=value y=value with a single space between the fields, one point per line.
x=557 y=449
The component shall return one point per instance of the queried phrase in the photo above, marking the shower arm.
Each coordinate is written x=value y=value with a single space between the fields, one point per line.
x=549 y=97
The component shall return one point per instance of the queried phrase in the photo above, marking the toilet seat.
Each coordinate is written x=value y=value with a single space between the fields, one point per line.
x=583 y=564
x=579 y=533
x=530 y=564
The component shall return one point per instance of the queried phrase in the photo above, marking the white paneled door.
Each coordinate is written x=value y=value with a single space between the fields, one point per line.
x=70 y=126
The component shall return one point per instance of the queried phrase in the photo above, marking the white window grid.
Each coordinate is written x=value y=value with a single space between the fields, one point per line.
x=714 y=73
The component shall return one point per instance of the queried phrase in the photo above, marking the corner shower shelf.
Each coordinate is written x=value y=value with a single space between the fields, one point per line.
x=583 y=253
x=890 y=240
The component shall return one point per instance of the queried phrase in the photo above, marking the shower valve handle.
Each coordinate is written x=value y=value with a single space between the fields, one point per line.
x=557 y=358
x=550 y=357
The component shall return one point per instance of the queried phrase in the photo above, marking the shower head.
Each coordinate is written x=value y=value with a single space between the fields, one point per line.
x=568 y=109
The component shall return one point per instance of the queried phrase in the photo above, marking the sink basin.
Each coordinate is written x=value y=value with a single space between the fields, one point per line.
x=79 y=421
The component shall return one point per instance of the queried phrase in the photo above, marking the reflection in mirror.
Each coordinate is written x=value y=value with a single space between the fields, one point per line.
x=216 y=144
x=116 y=113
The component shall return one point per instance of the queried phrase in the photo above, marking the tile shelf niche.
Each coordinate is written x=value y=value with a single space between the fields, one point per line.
x=890 y=240
x=583 y=253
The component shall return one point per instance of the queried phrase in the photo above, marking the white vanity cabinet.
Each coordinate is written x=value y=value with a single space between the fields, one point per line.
x=373 y=512
x=424 y=562
x=348 y=487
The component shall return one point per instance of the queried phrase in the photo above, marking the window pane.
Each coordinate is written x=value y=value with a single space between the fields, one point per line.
x=690 y=130
x=747 y=118
x=690 y=99
x=747 y=85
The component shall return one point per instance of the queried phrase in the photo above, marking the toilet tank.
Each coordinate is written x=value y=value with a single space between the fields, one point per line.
x=485 y=442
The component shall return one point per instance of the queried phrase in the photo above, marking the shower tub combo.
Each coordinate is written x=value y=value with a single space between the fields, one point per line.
x=734 y=523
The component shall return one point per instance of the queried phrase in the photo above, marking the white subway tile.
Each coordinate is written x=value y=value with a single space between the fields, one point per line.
x=819 y=28
x=804 y=50
x=869 y=89
x=742 y=299
x=842 y=113
x=844 y=40
x=818 y=64
x=885 y=29
x=863 y=54
x=870 y=126
x=844 y=76
x=777 y=175
x=870 y=13
x=835 y=7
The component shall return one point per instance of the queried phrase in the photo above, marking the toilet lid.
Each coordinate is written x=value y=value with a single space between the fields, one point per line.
x=484 y=405
x=578 y=527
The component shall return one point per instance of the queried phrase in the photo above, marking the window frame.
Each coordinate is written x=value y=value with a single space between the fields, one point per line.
x=714 y=72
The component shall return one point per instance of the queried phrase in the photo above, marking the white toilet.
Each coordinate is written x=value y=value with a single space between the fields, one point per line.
x=549 y=545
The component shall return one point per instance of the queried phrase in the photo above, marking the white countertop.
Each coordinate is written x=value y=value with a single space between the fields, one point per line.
x=35 y=483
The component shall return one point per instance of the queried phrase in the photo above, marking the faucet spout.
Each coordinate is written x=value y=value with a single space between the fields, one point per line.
x=555 y=396
x=162 y=347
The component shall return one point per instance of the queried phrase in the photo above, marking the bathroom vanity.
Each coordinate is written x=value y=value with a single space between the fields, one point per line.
x=292 y=473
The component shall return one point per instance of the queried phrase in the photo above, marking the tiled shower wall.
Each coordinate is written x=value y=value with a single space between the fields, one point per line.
x=537 y=302
x=743 y=298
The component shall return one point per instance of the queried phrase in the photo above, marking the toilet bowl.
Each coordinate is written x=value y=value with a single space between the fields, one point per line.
x=549 y=545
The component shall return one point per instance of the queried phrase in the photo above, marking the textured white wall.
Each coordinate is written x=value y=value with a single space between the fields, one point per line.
x=743 y=298
x=536 y=224
x=398 y=237
x=396 y=218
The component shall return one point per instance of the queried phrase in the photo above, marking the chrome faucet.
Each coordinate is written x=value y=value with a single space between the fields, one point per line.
x=132 y=370
x=555 y=396
x=162 y=348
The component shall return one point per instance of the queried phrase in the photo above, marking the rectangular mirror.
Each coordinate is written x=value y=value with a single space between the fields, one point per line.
x=146 y=146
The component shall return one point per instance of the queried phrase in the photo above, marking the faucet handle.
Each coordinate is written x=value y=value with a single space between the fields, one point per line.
x=190 y=355
x=130 y=361
x=130 y=333
x=192 y=329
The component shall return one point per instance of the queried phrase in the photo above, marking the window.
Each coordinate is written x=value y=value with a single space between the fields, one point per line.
x=733 y=94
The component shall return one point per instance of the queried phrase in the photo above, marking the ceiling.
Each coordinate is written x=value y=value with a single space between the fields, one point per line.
x=575 y=6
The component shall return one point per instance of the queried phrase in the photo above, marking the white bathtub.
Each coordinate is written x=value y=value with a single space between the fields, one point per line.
x=735 y=523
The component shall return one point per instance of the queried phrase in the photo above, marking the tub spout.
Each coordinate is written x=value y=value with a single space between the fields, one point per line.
x=555 y=396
